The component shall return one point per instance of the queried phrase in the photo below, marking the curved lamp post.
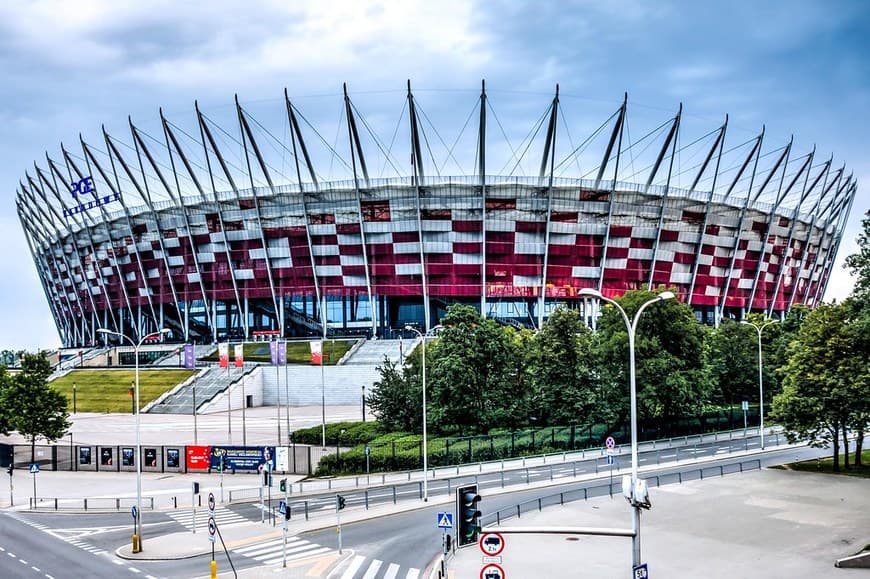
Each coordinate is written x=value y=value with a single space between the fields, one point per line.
x=425 y=440
x=758 y=330
x=137 y=537
x=631 y=327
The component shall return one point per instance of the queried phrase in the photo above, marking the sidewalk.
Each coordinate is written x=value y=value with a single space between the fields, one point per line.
x=767 y=524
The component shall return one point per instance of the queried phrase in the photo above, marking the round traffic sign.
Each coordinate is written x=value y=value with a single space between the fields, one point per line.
x=492 y=571
x=609 y=442
x=491 y=544
x=212 y=526
x=211 y=501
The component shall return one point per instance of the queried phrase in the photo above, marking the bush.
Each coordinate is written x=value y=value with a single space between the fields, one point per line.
x=355 y=433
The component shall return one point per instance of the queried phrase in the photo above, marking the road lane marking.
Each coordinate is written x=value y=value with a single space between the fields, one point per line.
x=354 y=566
x=373 y=569
x=392 y=571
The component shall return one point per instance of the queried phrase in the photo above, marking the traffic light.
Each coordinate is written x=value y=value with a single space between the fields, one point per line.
x=287 y=513
x=267 y=478
x=282 y=484
x=467 y=515
x=340 y=502
x=196 y=488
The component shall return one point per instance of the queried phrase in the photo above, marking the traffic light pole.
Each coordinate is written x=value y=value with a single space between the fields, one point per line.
x=11 y=501
x=338 y=520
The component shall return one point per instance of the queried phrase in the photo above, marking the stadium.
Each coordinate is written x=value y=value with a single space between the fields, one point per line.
x=242 y=229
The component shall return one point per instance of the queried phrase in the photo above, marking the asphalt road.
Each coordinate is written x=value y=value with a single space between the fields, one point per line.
x=400 y=545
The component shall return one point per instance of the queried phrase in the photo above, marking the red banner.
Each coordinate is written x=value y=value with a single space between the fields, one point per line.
x=198 y=457
x=240 y=355
x=224 y=355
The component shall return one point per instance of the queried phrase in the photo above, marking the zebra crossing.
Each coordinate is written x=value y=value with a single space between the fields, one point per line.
x=271 y=552
x=372 y=571
x=222 y=516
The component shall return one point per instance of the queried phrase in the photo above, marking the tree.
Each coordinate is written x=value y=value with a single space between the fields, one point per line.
x=396 y=399
x=5 y=414
x=473 y=376
x=668 y=356
x=859 y=265
x=561 y=369
x=36 y=410
x=818 y=401
x=731 y=363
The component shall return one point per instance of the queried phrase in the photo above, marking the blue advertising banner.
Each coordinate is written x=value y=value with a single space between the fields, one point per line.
x=189 y=357
x=273 y=353
x=250 y=458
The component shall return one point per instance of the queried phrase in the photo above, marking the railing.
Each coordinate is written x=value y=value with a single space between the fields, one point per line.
x=101 y=504
x=560 y=499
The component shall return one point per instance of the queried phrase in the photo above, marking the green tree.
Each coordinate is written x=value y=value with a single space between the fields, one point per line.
x=561 y=366
x=395 y=399
x=859 y=265
x=473 y=377
x=818 y=401
x=669 y=347
x=36 y=410
x=5 y=410
x=731 y=363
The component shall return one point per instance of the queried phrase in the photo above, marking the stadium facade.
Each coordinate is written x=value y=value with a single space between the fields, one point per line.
x=175 y=232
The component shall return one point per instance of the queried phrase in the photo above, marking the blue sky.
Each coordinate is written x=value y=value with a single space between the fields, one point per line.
x=800 y=68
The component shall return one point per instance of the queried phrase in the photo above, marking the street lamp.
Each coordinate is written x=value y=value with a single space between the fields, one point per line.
x=425 y=438
x=137 y=542
x=631 y=328
x=760 y=380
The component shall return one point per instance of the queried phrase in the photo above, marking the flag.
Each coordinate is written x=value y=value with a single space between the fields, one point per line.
x=224 y=355
x=316 y=354
x=189 y=357
x=240 y=355
x=282 y=353
x=273 y=353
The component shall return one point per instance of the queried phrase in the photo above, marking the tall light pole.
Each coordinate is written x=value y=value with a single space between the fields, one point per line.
x=631 y=328
x=137 y=541
x=758 y=330
x=425 y=437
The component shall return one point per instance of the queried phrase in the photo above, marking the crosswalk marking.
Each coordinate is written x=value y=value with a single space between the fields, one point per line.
x=392 y=571
x=373 y=569
x=222 y=516
x=270 y=552
x=412 y=574
x=354 y=566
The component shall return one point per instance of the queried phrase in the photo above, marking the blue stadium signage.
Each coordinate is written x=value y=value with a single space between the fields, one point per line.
x=82 y=187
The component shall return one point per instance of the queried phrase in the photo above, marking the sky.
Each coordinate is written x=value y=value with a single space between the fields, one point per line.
x=799 y=68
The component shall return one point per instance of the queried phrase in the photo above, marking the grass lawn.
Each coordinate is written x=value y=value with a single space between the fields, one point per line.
x=109 y=390
x=297 y=352
x=826 y=465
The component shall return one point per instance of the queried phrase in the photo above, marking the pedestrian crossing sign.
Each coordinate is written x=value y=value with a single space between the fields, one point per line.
x=445 y=520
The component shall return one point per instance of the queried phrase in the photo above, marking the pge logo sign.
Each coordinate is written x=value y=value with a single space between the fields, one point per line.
x=86 y=185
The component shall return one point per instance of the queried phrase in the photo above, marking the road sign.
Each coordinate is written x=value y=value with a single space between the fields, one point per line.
x=610 y=459
x=445 y=520
x=745 y=405
x=282 y=507
x=211 y=501
x=641 y=572
x=34 y=468
x=212 y=529
x=492 y=571
x=491 y=544
x=135 y=512
x=609 y=442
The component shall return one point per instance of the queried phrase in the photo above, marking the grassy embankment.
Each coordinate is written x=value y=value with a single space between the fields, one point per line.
x=297 y=352
x=109 y=390
x=826 y=465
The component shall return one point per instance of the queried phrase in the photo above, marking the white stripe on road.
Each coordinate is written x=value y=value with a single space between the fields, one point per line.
x=412 y=574
x=354 y=566
x=373 y=569
x=392 y=571
x=302 y=555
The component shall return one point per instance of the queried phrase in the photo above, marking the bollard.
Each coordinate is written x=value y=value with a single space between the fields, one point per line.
x=213 y=569
x=136 y=548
